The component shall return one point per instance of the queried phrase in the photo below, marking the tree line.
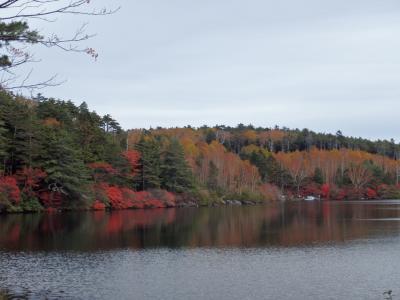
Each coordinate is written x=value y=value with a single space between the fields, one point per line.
x=55 y=154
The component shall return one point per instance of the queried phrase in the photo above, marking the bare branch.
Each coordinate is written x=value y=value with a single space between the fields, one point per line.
x=15 y=41
x=27 y=10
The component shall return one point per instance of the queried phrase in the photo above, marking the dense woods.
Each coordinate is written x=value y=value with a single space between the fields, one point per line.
x=56 y=155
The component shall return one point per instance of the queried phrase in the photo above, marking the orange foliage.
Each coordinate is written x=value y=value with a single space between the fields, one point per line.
x=234 y=174
x=302 y=164
x=270 y=192
x=51 y=122
x=298 y=164
x=269 y=138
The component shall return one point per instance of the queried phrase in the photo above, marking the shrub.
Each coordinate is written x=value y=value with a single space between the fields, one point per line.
x=98 y=205
x=311 y=189
x=31 y=204
x=10 y=190
x=325 y=191
x=270 y=192
x=371 y=193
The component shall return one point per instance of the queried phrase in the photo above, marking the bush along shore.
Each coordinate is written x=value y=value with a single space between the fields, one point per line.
x=56 y=155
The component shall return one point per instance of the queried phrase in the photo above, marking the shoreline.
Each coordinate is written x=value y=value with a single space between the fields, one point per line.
x=221 y=203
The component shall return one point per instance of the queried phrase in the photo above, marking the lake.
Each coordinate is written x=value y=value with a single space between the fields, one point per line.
x=296 y=250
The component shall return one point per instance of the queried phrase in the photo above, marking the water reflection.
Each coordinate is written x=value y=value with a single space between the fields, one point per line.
x=278 y=224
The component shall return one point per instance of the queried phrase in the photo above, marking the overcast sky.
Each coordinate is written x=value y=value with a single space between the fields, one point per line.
x=325 y=65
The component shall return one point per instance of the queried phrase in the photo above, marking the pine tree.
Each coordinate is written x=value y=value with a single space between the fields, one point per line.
x=175 y=173
x=318 y=176
x=3 y=146
x=21 y=131
x=66 y=172
x=149 y=163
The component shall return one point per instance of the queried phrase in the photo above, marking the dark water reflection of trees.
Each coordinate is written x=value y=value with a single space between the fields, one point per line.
x=279 y=224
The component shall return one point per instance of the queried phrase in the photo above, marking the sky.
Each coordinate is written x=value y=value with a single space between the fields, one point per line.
x=324 y=65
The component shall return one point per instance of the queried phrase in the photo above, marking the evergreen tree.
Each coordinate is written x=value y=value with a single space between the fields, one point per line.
x=259 y=158
x=149 y=163
x=210 y=136
x=276 y=174
x=66 y=172
x=318 y=176
x=175 y=173
x=21 y=124
x=3 y=146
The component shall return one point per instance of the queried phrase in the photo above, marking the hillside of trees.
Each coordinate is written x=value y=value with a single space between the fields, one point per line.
x=57 y=155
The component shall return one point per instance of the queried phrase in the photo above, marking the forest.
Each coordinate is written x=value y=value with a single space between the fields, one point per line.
x=56 y=155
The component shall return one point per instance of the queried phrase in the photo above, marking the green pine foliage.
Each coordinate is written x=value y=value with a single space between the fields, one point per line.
x=17 y=31
x=175 y=173
x=150 y=163
x=3 y=146
x=63 y=164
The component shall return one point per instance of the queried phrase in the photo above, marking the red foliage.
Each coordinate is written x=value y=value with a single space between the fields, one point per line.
x=167 y=199
x=371 y=193
x=148 y=200
x=51 y=199
x=118 y=197
x=311 y=189
x=114 y=195
x=170 y=199
x=101 y=170
x=123 y=198
x=336 y=193
x=341 y=195
x=141 y=196
x=51 y=210
x=30 y=178
x=133 y=157
x=130 y=196
x=154 y=203
x=325 y=191
x=103 y=166
x=97 y=205
x=9 y=187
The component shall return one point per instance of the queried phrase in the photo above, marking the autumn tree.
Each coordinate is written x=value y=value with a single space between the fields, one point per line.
x=359 y=175
x=298 y=166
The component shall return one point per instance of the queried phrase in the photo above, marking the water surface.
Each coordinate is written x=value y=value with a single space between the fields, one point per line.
x=298 y=250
